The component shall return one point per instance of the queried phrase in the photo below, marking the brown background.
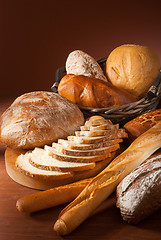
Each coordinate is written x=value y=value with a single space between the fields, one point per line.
x=37 y=36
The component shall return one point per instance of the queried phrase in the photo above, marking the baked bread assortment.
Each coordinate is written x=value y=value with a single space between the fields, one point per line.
x=62 y=162
x=133 y=68
x=80 y=63
x=139 y=193
x=38 y=118
x=91 y=92
x=52 y=147
x=105 y=183
x=142 y=123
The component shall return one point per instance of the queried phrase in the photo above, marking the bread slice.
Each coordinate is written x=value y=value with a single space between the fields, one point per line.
x=99 y=127
x=39 y=158
x=91 y=152
x=99 y=132
x=99 y=139
x=84 y=159
x=97 y=120
x=42 y=182
x=23 y=164
x=75 y=146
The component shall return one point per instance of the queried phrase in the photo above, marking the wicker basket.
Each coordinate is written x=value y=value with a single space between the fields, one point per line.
x=123 y=113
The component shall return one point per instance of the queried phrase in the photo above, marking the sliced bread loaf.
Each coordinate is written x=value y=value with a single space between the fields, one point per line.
x=99 y=139
x=24 y=165
x=85 y=159
x=39 y=158
x=75 y=146
x=99 y=127
x=99 y=132
x=91 y=152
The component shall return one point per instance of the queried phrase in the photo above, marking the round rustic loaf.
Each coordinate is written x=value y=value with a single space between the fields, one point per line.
x=38 y=118
x=133 y=68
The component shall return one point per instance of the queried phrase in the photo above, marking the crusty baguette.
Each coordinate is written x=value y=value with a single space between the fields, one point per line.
x=105 y=183
x=52 y=197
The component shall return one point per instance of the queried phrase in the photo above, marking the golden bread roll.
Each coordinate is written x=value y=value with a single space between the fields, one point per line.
x=133 y=68
x=92 y=92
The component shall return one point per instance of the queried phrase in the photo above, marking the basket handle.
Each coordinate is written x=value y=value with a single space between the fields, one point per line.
x=154 y=88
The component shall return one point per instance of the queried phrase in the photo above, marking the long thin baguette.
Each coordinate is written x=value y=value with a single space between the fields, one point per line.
x=52 y=197
x=105 y=183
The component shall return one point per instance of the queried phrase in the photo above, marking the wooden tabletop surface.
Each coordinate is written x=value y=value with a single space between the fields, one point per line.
x=105 y=225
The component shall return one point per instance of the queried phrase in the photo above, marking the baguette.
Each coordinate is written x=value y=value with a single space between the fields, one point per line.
x=52 y=197
x=105 y=183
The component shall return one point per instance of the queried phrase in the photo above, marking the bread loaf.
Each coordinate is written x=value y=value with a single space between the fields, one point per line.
x=91 y=92
x=133 y=68
x=105 y=183
x=64 y=162
x=139 y=193
x=38 y=118
x=80 y=63
x=142 y=123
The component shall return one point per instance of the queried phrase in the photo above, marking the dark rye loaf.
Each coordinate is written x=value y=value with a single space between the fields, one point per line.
x=38 y=118
x=139 y=193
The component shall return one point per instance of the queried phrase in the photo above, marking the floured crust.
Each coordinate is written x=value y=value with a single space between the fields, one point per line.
x=38 y=118
x=80 y=63
x=139 y=193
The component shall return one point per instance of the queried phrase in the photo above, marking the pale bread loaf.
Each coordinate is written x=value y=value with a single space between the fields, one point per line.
x=80 y=63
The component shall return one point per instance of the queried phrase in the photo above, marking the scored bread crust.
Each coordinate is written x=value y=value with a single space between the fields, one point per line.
x=38 y=118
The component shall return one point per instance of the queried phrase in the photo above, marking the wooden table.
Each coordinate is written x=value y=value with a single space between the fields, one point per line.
x=37 y=226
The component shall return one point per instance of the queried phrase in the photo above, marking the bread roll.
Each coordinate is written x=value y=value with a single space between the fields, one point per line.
x=133 y=68
x=92 y=92
x=38 y=118
x=142 y=123
x=139 y=193
x=80 y=63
